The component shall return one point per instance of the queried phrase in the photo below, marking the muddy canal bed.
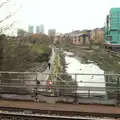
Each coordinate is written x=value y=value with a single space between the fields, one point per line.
x=99 y=56
x=93 y=61
x=75 y=66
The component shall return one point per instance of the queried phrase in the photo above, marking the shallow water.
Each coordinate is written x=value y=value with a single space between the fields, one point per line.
x=76 y=66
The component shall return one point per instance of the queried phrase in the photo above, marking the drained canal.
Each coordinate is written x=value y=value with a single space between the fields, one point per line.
x=74 y=65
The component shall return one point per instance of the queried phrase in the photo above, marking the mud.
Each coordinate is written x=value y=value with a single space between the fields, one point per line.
x=97 y=55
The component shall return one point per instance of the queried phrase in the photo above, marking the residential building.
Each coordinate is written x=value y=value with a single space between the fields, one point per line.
x=57 y=39
x=97 y=35
x=101 y=35
x=85 y=37
x=31 y=29
x=80 y=39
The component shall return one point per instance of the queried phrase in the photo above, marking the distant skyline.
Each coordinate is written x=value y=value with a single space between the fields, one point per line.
x=63 y=15
x=39 y=29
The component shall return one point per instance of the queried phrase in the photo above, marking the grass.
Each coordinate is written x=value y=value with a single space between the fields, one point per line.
x=37 y=48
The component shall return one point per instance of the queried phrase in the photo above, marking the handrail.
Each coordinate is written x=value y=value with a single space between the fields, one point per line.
x=10 y=72
x=25 y=82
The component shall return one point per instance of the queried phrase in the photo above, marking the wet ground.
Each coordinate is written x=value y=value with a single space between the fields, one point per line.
x=83 y=60
x=86 y=61
x=75 y=66
x=97 y=55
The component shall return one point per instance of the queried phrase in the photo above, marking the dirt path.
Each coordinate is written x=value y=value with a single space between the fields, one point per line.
x=44 y=75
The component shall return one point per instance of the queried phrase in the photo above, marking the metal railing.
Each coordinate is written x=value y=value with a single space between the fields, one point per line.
x=32 y=83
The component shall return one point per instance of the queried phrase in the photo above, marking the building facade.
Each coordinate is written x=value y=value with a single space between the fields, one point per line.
x=37 y=29
x=80 y=39
x=57 y=39
x=86 y=37
x=42 y=29
x=97 y=35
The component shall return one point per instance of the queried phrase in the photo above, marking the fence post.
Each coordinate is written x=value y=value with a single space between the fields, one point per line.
x=23 y=78
x=36 y=90
x=76 y=99
x=89 y=94
x=107 y=78
x=118 y=95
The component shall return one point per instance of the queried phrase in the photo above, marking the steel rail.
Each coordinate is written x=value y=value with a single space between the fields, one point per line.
x=47 y=117
x=39 y=113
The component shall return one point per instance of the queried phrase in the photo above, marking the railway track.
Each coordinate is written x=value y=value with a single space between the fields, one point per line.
x=38 y=116
x=35 y=112
x=60 y=111
x=22 y=116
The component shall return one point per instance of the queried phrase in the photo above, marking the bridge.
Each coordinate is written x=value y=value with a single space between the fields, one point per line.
x=33 y=86
x=22 y=92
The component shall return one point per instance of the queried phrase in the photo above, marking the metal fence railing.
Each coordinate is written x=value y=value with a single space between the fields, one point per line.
x=89 y=86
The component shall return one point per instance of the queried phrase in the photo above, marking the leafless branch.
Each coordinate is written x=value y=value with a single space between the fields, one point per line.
x=2 y=4
x=10 y=15
x=4 y=29
x=9 y=26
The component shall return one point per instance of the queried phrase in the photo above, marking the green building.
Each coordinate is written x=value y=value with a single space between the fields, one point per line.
x=112 y=29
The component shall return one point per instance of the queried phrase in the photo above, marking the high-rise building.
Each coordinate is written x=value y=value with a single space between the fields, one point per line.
x=37 y=29
x=42 y=28
x=31 y=29
x=52 y=32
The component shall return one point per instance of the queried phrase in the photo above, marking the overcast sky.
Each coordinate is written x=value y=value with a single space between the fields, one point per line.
x=63 y=15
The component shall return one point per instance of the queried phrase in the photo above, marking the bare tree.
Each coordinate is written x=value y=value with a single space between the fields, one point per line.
x=10 y=14
x=3 y=3
x=3 y=29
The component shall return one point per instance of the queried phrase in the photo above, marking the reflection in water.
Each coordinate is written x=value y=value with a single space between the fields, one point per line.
x=75 y=66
